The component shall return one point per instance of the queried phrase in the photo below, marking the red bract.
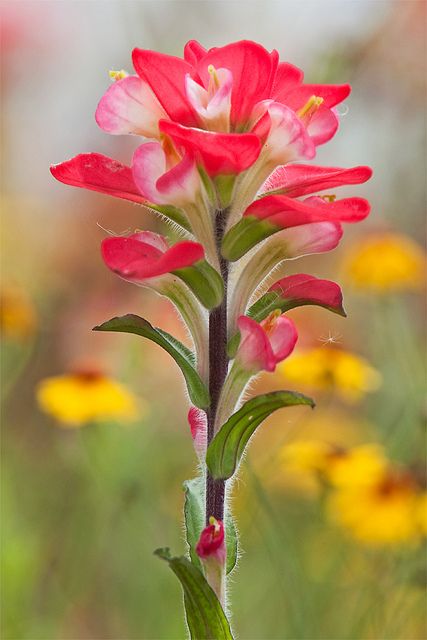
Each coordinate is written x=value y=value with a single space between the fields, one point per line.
x=97 y=172
x=284 y=212
x=304 y=289
x=297 y=180
x=146 y=255
x=263 y=345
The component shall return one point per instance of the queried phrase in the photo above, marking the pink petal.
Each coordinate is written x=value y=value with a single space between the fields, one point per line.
x=301 y=179
x=255 y=352
x=287 y=78
x=97 y=172
x=221 y=153
x=323 y=125
x=136 y=260
x=286 y=138
x=193 y=52
x=301 y=286
x=176 y=186
x=250 y=65
x=306 y=239
x=283 y=337
x=286 y=212
x=211 y=543
x=166 y=77
x=154 y=239
x=129 y=106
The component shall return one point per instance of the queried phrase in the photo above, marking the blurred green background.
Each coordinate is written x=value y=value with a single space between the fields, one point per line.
x=83 y=509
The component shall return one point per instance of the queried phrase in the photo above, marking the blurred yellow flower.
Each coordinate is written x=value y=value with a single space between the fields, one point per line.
x=385 y=263
x=383 y=512
x=18 y=318
x=422 y=513
x=331 y=368
x=336 y=465
x=76 y=399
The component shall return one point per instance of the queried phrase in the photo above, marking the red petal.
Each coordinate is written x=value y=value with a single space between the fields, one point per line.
x=283 y=337
x=323 y=125
x=300 y=179
x=193 y=52
x=166 y=77
x=287 y=78
x=221 y=153
x=286 y=212
x=211 y=540
x=255 y=352
x=251 y=67
x=301 y=286
x=97 y=172
x=332 y=94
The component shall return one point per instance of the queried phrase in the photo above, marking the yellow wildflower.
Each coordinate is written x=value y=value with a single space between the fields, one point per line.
x=386 y=262
x=379 y=513
x=76 y=399
x=17 y=314
x=331 y=368
x=336 y=465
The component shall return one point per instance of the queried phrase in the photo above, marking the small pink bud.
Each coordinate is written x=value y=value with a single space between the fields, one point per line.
x=197 y=420
x=211 y=543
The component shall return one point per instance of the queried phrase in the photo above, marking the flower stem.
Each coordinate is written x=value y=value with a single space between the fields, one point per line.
x=218 y=366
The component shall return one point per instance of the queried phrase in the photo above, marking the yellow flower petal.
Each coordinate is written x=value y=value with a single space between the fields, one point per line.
x=384 y=263
x=77 y=399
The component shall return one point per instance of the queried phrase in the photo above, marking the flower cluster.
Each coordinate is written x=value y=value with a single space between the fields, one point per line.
x=228 y=132
x=377 y=502
x=227 y=127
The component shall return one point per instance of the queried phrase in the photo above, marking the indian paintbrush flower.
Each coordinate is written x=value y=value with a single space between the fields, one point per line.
x=224 y=126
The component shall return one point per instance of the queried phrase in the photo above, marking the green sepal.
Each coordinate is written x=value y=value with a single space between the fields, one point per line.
x=172 y=213
x=225 y=187
x=194 y=503
x=205 y=616
x=245 y=235
x=268 y=303
x=227 y=447
x=204 y=281
x=184 y=358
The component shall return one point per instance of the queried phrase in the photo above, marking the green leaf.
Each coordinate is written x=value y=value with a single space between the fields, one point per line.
x=184 y=358
x=172 y=213
x=245 y=235
x=194 y=513
x=226 y=449
x=205 y=617
x=204 y=281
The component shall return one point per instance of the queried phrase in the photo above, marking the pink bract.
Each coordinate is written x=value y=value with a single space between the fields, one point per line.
x=146 y=255
x=211 y=543
x=263 y=345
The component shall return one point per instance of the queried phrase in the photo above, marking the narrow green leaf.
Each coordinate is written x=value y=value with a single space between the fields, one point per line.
x=205 y=617
x=226 y=449
x=204 y=281
x=184 y=358
x=194 y=514
x=245 y=235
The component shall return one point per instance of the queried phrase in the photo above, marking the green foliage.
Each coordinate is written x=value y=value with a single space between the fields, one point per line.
x=205 y=617
x=204 y=281
x=227 y=447
x=184 y=358
x=245 y=235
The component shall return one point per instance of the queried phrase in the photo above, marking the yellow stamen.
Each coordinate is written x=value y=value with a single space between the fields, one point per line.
x=214 y=522
x=117 y=75
x=310 y=107
x=329 y=197
x=270 y=321
x=172 y=155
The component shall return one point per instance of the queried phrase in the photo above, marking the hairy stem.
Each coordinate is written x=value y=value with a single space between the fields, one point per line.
x=218 y=366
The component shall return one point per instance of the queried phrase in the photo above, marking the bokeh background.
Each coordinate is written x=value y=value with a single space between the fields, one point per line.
x=83 y=508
